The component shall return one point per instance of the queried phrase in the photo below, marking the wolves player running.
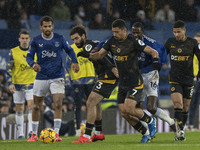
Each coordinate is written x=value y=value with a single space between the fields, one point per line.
x=181 y=50
x=107 y=81
x=125 y=49
x=50 y=72
x=20 y=78
x=150 y=75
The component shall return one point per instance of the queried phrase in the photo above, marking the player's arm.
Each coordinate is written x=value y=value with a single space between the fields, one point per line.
x=9 y=66
x=68 y=49
x=197 y=53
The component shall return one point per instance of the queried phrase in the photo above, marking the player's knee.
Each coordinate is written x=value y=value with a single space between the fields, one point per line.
x=36 y=107
x=58 y=106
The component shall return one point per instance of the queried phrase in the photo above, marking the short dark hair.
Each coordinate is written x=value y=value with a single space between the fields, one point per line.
x=46 y=19
x=138 y=25
x=179 y=24
x=120 y=23
x=78 y=29
x=23 y=31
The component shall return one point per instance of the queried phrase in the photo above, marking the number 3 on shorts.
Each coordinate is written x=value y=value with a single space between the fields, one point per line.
x=99 y=85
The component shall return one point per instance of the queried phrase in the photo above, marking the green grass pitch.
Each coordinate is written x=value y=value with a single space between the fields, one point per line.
x=163 y=141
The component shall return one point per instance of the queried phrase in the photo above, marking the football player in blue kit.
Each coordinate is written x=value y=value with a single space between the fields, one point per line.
x=48 y=47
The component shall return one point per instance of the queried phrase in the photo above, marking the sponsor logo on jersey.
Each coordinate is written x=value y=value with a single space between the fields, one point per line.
x=121 y=58
x=24 y=67
x=48 y=54
x=179 y=58
x=172 y=46
x=113 y=45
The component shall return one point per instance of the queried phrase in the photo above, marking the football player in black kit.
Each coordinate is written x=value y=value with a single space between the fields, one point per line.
x=107 y=81
x=124 y=48
x=181 y=50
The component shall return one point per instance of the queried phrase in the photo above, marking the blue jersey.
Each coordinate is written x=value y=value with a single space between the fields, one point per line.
x=49 y=56
x=145 y=60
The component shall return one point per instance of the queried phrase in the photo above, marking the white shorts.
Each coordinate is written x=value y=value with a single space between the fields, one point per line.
x=151 y=81
x=19 y=97
x=55 y=86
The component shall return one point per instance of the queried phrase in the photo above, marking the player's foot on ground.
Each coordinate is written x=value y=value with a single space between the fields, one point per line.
x=21 y=137
x=177 y=132
x=29 y=134
x=96 y=137
x=83 y=139
x=58 y=138
x=152 y=128
x=33 y=138
x=146 y=138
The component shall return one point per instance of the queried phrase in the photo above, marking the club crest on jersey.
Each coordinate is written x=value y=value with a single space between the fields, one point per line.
x=173 y=89
x=88 y=47
x=57 y=44
x=141 y=42
x=118 y=50
x=40 y=45
x=179 y=50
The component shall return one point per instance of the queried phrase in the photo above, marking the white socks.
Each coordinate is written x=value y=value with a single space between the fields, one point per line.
x=163 y=116
x=19 y=117
x=35 y=126
x=29 y=121
x=57 y=124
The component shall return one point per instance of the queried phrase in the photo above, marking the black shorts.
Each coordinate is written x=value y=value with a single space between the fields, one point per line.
x=185 y=90
x=105 y=87
x=134 y=93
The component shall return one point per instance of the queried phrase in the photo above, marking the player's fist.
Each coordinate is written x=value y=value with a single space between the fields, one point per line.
x=156 y=65
x=12 y=88
x=75 y=67
x=83 y=54
x=36 y=68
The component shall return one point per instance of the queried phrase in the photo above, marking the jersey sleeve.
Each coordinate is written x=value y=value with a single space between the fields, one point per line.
x=139 y=45
x=69 y=50
x=107 y=44
x=167 y=47
x=9 y=68
x=31 y=54
x=100 y=45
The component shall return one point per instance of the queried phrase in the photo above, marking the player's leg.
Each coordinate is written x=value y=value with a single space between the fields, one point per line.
x=29 y=98
x=40 y=89
x=19 y=100
x=57 y=90
x=135 y=123
x=93 y=99
x=78 y=95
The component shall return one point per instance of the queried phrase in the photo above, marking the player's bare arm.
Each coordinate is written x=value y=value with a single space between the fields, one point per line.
x=98 y=55
x=115 y=72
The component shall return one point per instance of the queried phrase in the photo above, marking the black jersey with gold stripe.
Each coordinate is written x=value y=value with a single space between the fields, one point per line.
x=125 y=54
x=181 y=59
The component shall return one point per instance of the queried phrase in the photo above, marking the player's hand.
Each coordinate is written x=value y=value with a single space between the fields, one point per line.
x=115 y=72
x=36 y=68
x=83 y=54
x=12 y=88
x=75 y=67
x=156 y=65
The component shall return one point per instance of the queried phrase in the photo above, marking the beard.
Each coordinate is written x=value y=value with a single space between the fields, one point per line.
x=81 y=43
x=47 y=33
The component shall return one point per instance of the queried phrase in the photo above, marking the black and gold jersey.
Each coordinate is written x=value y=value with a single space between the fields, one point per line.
x=125 y=54
x=181 y=59
x=102 y=67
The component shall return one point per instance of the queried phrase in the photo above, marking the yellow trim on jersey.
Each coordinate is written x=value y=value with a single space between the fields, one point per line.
x=139 y=87
x=86 y=68
x=191 y=87
x=22 y=73
x=108 y=81
x=173 y=83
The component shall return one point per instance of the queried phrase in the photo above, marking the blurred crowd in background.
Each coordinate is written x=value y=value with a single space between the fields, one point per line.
x=99 y=13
